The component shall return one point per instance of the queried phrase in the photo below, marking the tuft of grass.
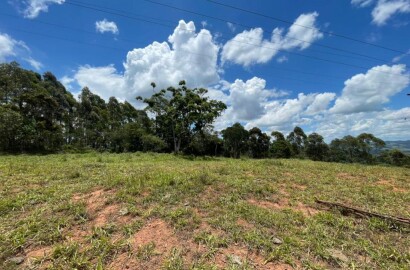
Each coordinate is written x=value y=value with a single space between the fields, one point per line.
x=145 y=252
x=174 y=261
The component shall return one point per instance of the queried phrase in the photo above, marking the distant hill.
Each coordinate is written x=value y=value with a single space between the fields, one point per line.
x=403 y=146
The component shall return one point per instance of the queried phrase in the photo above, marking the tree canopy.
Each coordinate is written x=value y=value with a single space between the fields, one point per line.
x=37 y=114
x=181 y=113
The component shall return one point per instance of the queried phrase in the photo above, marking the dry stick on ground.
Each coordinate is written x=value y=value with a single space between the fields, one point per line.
x=362 y=213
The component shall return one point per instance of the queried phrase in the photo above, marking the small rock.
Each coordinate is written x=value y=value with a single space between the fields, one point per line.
x=276 y=241
x=186 y=204
x=17 y=260
x=236 y=260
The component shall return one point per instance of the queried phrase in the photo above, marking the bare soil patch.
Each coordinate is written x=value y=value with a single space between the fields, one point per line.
x=39 y=252
x=241 y=254
x=280 y=204
x=159 y=233
x=306 y=210
x=300 y=187
x=246 y=225
x=388 y=183
x=283 y=203
x=346 y=176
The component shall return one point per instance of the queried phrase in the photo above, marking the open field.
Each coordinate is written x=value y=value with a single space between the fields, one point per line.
x=159 y=211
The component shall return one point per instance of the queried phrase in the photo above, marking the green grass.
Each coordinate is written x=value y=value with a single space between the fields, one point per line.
x=201 y=200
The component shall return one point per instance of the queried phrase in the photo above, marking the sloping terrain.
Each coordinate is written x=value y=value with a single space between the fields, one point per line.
x=159 y=211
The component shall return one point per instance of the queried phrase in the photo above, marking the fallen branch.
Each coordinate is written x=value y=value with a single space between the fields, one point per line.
x=363 y=213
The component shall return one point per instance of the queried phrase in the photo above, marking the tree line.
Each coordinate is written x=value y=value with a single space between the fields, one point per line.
x=38 y=115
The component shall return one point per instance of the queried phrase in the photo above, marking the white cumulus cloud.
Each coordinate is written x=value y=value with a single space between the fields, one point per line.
x=384 y=9
x=368 y=92
x=282 y=114
x=387 y=8
x=247 y=98
x=32 y=8
x=188 y=55
x=104 y=81
x=12 y=49
x=106 y=26
x=250 y=47
x=7 y=47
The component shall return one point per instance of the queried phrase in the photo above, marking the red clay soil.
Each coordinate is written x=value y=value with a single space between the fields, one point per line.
x=244 y=224
x=162 y=235
x=223 y=256
x=283 y=203
x=346 y=176
x=389 y=184
x=280 y=204
x=36 y=254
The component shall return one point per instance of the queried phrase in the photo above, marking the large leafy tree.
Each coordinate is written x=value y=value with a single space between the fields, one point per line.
x=259 y=143
x=280 y=148
x=181 y=112
x=235 y=140
x=355 y=149
x=297 y=139
x=205 y=143
x=316 y=148
x=11 y=126
x=40 y=102
x=369 y=143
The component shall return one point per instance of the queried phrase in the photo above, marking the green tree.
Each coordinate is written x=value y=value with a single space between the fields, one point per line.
x=205 y=143
x=297 y=140
x=11 y=126
x=316 y=148
x=259 y=143
x=394 y=157
x=235 y=140
x=280 y=148
x=355 y=149
x=182 y=112
x=93 y=121
x=346 y=149
x=369 y=144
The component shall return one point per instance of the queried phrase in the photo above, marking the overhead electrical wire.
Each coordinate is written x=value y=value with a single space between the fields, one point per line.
x=101 y=9
x=124 y=14
x=148 y=21
x=128 y=41
x=250 y=27
x=307 y=27
x=119 y=49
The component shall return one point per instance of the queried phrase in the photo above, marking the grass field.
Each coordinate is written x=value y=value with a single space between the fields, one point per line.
x=159 y=211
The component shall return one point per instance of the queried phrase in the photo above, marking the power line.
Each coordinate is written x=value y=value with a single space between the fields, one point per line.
x=256 y=45
x=130 y=41
x=119 y=49
x=118 y=10
x=124 y=14
x=66 y=39
x=250 y=27
x=282 y=50
x=78 y=4
x=92 y=44
x=307 y=27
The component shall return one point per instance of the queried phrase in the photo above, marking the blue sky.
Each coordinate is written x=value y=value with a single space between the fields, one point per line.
x=271 y=74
